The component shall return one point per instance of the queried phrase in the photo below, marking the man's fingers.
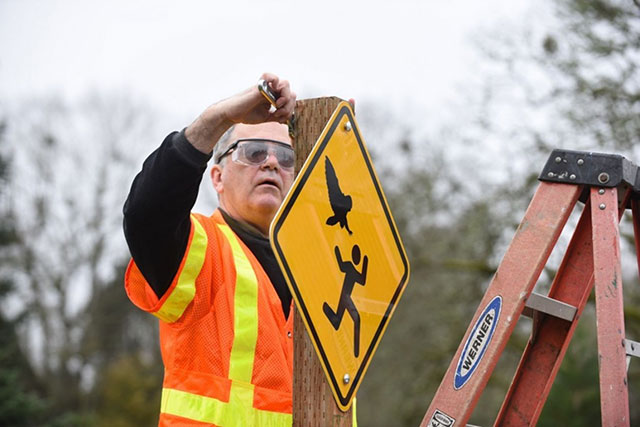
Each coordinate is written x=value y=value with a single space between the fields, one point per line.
x=272 y=81
x=285 y=98
x=286 y=110
x=282 y=86
x=271 y=78
x=284 y=93
x=286 y=101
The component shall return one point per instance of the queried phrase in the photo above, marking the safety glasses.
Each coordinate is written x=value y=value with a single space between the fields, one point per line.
x=255 y=151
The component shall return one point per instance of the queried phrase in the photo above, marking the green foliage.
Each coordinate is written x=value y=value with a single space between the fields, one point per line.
x=19 y=404
x=130 y=393
x=575 y=397
x=121 y=342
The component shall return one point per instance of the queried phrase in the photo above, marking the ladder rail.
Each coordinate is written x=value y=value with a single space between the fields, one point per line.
x=505 y=299
x=614 y=391
x=635 y=211
x=607 y=184
x=551 y=336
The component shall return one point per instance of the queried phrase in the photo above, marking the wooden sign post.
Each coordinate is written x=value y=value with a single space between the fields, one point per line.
x=313 y=402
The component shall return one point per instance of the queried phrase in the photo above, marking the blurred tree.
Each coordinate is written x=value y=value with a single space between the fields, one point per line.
x=575 y=399
x=19 y=403
x=595 y=58
x=450 y=235
x=580 y=81
x=573 y=83
x=129 y=392
x=121 y=344
x=72 y=165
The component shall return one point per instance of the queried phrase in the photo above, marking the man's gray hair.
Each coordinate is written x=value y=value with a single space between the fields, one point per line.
x=222 y=144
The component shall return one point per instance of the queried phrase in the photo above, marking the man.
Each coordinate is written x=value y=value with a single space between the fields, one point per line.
x=223 y=304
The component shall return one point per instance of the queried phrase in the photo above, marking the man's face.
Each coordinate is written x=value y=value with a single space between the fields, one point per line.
x=251 y=193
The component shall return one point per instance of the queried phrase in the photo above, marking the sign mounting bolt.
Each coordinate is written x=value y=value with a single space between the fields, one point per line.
x=346 y=379
x=601 y=191
x=580 y=162
x=558 y=159
x=603 y=178
x=347 y=126
x=602 y=206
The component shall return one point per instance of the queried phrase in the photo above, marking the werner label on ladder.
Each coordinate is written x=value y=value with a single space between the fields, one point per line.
x=607 y=185
x=477 y=342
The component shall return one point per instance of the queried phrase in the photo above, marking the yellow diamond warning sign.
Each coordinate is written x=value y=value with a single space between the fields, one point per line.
x=341 y=254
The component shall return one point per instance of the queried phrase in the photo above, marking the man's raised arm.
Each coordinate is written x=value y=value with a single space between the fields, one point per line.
x=248 y=107
x=156 y=213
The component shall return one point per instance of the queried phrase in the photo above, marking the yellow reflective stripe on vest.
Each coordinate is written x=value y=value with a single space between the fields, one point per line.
x=238 y=411
x=245 y=313
x=185 y=289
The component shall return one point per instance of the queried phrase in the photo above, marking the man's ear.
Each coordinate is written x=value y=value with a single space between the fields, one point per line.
x=216 y=178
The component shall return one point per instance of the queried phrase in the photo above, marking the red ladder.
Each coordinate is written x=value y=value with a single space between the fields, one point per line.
x=606 y=183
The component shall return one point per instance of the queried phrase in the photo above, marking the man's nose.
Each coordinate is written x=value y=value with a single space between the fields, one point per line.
x=271 y=161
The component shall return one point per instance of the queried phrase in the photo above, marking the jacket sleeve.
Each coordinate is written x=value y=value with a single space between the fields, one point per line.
x=157 y=223
x=171 y=306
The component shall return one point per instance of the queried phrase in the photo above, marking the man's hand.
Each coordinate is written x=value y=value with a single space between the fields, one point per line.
x=249 y=106
x=252 y=107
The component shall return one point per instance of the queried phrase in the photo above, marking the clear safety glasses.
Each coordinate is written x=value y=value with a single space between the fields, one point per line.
x=255 y=151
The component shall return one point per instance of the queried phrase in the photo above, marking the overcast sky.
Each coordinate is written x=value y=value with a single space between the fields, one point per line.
x=182 y=56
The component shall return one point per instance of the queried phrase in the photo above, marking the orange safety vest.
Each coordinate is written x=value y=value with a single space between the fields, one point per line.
x=226 y=346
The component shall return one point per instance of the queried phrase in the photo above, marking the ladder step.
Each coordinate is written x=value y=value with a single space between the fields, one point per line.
x=552 y=307
x=632 y=348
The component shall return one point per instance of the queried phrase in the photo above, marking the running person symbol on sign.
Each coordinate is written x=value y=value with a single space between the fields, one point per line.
x=351 y=277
